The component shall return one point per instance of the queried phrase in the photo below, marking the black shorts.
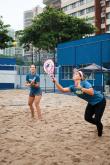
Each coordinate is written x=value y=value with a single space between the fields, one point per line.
x=33 y=94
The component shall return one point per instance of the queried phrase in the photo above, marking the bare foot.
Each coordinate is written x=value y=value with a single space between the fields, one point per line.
x=40 y=118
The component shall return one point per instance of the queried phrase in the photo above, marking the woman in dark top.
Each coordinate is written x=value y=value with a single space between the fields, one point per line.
x=96 y=101
x=33 y=81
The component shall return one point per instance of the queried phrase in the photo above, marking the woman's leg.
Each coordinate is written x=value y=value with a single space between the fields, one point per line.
x=30 y=103
x=99 y=110
x=93 y=114
x=37 y=102
x=89 y=113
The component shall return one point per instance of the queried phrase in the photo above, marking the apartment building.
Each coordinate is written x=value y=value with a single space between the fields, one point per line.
x=11 y=50
x=80 y=8
x=30 y=14
x=97 y=12
x=28 y=17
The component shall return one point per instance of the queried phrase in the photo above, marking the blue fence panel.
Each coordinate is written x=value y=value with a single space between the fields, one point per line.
x=6 y=67
x=6 y=86
x=7 y=61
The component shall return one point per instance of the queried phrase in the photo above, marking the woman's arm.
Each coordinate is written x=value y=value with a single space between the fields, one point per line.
x=36 y=85
x=27 y=84
x=60 y=88
x=89 y=91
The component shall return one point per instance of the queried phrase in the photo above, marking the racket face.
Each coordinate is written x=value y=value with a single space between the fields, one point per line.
x=49 y=66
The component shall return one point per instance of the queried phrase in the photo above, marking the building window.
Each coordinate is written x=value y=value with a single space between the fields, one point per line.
x=108 y=15
x=103 y=30
x=81 y=2
x=73 y=5
x=67 y=72
x=103 y=10
x=74 y=14
x=90 y=20
x=81 y=12
x=108 y=3
x=65 y=8
x=108 y=27
x=103 y=20
x=88 y=1
x=90 y=10
x=77 y=3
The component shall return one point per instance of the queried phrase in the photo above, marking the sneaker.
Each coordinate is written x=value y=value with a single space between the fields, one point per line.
x=100 y=129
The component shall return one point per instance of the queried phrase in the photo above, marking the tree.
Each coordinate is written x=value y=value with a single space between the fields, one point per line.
x=5 y=39
x=52 y=27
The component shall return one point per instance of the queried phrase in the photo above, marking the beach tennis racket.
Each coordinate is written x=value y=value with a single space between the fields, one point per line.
x=49 y=67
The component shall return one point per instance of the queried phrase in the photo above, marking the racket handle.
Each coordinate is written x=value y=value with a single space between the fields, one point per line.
x=53 y=79
x=77 y=84
x=51 y=75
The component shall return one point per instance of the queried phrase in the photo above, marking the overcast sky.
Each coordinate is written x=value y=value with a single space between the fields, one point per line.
x=12 y=11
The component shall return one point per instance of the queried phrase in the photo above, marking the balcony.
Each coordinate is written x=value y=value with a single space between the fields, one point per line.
x=103 y=14
x=53 y=3
x=102 y=2
x=103 y=26
x=108 y=9
x=108 y=21
x=49 y=2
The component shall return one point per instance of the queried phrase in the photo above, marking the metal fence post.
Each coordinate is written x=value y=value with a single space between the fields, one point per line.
x=20 y=76
x=54 y=67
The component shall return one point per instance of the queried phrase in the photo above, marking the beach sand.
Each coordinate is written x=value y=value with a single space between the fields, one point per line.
x=63 y=137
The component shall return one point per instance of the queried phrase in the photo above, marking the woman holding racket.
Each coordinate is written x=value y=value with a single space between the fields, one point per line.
x=33 y=81
x=96 y=101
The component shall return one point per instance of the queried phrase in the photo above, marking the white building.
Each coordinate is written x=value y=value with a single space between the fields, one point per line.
x=30 y=14
x=79 y=8
x=11 y=50
x=28 y=17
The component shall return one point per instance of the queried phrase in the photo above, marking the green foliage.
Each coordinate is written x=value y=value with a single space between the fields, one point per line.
x=5 y=39
x=19 y=61
x=52 y=27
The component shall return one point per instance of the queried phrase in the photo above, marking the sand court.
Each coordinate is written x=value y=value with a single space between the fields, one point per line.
x=63 y=137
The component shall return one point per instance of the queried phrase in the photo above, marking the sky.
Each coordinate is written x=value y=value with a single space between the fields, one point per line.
x=12 y=11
